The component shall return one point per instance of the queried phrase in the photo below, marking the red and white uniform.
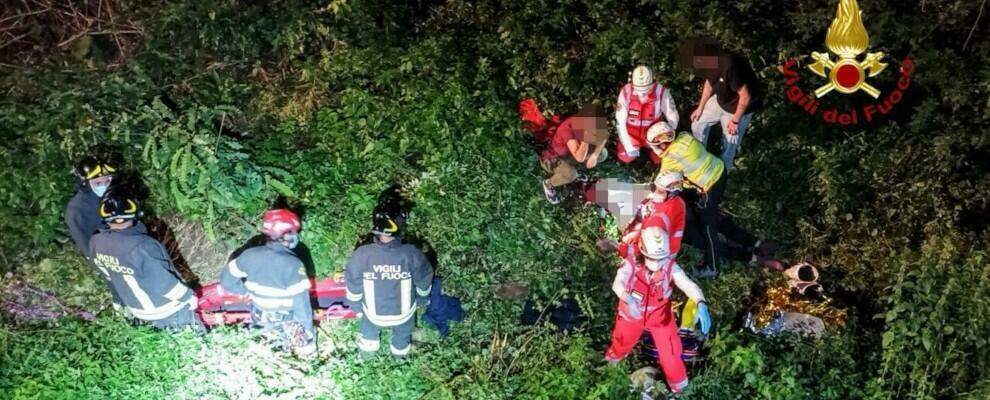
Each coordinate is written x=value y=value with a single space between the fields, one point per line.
x=670 y=211
x=652 y=290
x=635 y=114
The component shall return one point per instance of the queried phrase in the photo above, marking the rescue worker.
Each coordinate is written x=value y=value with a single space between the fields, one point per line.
x=387 y=280
x=642 y=102
x=578 y=142
x=664 y=201
x=703 y=172
x=644 y=284
x=139 y=268
x=82 y=213
x=275 y=279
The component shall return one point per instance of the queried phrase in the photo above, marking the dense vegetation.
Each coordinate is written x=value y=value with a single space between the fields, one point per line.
x=228 y=106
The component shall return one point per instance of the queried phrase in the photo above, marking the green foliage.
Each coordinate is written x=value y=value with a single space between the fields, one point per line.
x=233 y=104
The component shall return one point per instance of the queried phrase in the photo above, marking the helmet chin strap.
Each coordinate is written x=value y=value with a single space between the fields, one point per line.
x=653 y=265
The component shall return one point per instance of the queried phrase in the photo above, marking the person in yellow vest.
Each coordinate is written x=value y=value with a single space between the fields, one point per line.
x=702 y=171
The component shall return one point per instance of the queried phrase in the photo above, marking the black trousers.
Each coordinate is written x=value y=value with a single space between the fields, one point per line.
x=704 y=224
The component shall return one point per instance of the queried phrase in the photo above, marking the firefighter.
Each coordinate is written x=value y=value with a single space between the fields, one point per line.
x=387 y=280
x=644 y=284
x=642 y=102
x=139 y=268
x=276 y=281
x=82 y=213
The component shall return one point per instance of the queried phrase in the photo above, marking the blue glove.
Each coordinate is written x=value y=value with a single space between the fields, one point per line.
x=633 y=306
x=704 y=318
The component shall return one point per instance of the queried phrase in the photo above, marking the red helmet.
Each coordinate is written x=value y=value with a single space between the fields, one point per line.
x=279 y=222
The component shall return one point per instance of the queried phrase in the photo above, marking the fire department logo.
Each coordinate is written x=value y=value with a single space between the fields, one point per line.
x=847 y=38
x=847 y=66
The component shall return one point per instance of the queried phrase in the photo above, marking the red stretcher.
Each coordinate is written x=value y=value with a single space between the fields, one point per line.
x=218 y=307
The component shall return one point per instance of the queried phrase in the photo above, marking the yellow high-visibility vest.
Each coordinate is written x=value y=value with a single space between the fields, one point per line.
x=687 y=155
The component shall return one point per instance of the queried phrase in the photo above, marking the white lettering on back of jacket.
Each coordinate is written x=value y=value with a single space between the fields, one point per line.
x=387 y=272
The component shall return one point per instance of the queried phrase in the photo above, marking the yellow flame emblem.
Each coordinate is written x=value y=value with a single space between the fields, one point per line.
x=847 y=38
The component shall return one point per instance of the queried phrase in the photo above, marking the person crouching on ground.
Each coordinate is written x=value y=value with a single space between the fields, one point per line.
x=276 y=280
x=139 y=268
x=642 y=102
x=578 y=142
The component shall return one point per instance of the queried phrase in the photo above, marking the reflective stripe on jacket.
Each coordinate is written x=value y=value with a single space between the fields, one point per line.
x=688 y=155
x=386 y=279
x=140 y=270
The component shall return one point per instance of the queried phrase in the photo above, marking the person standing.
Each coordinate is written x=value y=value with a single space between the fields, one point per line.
x=642 y=102
x=275 y=279
x=82 y=213
x=139 y=268
x=643 y=285
x=387 y=280
x=729 y=96
x=578 y=142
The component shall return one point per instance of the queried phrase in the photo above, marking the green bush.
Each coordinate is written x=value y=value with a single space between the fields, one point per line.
x=232 y=105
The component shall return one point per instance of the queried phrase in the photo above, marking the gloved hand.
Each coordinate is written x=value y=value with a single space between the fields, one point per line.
x=633 y=304
x=633 y=153
x=703 y=317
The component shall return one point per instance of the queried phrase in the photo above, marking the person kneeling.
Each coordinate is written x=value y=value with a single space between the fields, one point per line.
x=138 y=268
x=275 y=279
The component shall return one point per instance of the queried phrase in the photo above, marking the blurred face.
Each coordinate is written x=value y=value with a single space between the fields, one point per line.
x=590 y=129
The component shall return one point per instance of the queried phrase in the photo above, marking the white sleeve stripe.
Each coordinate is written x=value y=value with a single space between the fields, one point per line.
x=269 y=291
x=139 y=294
x=424 y=292
x=354 y=296
x=405 y=294
x=234 y=270
x=299 y=287
x=177 y=292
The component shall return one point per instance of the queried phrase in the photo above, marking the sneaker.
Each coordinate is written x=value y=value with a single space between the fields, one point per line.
x=705 y=272
x=551 y=193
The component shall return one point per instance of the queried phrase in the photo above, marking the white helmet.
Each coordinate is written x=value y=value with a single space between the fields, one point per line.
x=654 y=243
x=641 y=78
x=669 y=180
x=658 y=134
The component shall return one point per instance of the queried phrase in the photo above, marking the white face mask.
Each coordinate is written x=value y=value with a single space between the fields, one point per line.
x=100 y=190
x=290 y=240
x=652 y=265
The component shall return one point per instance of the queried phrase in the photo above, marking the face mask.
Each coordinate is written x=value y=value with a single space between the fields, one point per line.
x=99 y=190
x=642 y=90
x=290 y=240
